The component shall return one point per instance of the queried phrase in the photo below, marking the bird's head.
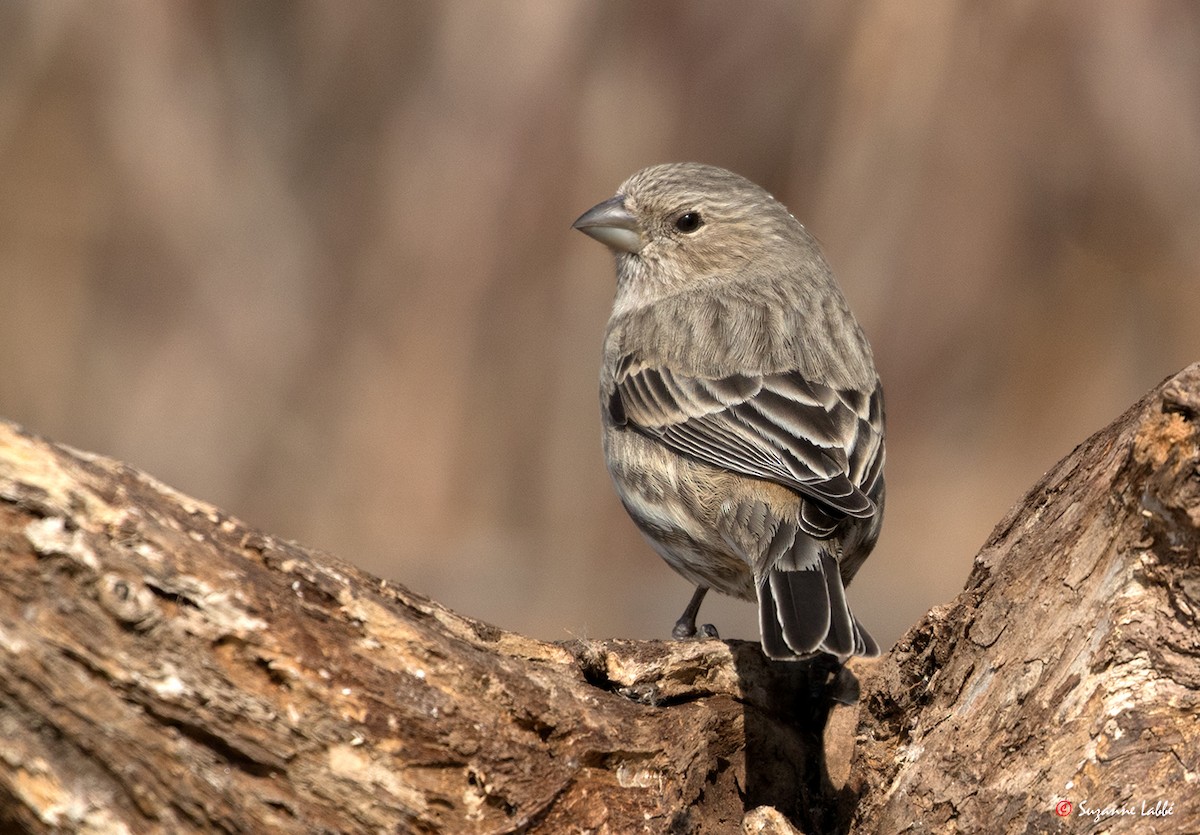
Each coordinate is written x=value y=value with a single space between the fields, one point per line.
x=679 y=225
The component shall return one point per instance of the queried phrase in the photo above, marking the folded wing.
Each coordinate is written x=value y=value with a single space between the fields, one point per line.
x=823 y=443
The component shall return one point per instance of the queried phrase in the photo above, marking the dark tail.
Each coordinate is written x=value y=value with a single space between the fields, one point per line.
x=804 y=611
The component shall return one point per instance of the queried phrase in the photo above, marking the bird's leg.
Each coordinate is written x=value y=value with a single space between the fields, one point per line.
x=685 y=627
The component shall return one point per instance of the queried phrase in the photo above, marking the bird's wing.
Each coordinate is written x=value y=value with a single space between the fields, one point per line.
x=821 y=442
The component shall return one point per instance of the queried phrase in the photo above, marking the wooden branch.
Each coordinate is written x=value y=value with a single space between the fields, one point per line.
x=163 y=668
x=1065 y=680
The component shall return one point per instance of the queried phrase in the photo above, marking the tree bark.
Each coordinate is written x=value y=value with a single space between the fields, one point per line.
x=164 y=668
x=1061 y=690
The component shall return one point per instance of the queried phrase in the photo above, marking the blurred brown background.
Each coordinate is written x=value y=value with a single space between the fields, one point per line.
x=313 y=262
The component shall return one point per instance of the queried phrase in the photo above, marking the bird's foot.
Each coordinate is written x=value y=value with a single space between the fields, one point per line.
x=685 y=630
x=685 y=627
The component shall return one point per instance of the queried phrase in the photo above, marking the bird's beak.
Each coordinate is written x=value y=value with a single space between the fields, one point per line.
x=612 y=224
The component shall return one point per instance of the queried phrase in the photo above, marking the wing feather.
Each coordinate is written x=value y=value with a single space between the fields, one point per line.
x=826 y=444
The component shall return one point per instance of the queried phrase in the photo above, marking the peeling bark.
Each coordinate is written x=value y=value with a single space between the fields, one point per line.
x=1068 y=670
x=164 y=668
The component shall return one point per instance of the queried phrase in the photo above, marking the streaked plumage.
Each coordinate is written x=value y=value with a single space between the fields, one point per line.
x=743 y=418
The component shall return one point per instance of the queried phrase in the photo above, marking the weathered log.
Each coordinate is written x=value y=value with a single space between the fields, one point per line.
x=164 y=668
x=1061 y=690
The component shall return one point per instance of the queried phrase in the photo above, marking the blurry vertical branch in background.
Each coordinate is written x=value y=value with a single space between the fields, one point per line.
x=312 y=262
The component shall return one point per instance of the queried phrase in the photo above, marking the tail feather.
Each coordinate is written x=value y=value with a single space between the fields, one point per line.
x=801 y=606
x=804 y=611
x=840 y=639
x=773 y=644
x=864 y=644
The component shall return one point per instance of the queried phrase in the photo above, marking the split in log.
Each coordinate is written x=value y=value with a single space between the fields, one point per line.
x=163 y=668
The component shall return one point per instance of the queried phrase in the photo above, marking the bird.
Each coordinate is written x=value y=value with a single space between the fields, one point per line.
x=742 y=415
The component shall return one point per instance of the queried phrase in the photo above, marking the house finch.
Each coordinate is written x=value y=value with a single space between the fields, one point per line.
x=742 y=415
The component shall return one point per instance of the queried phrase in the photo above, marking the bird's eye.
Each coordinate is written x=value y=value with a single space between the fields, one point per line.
x=689 y=222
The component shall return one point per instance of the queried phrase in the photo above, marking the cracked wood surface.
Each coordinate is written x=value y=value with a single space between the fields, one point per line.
x=164 y=668
x=1069 y=667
